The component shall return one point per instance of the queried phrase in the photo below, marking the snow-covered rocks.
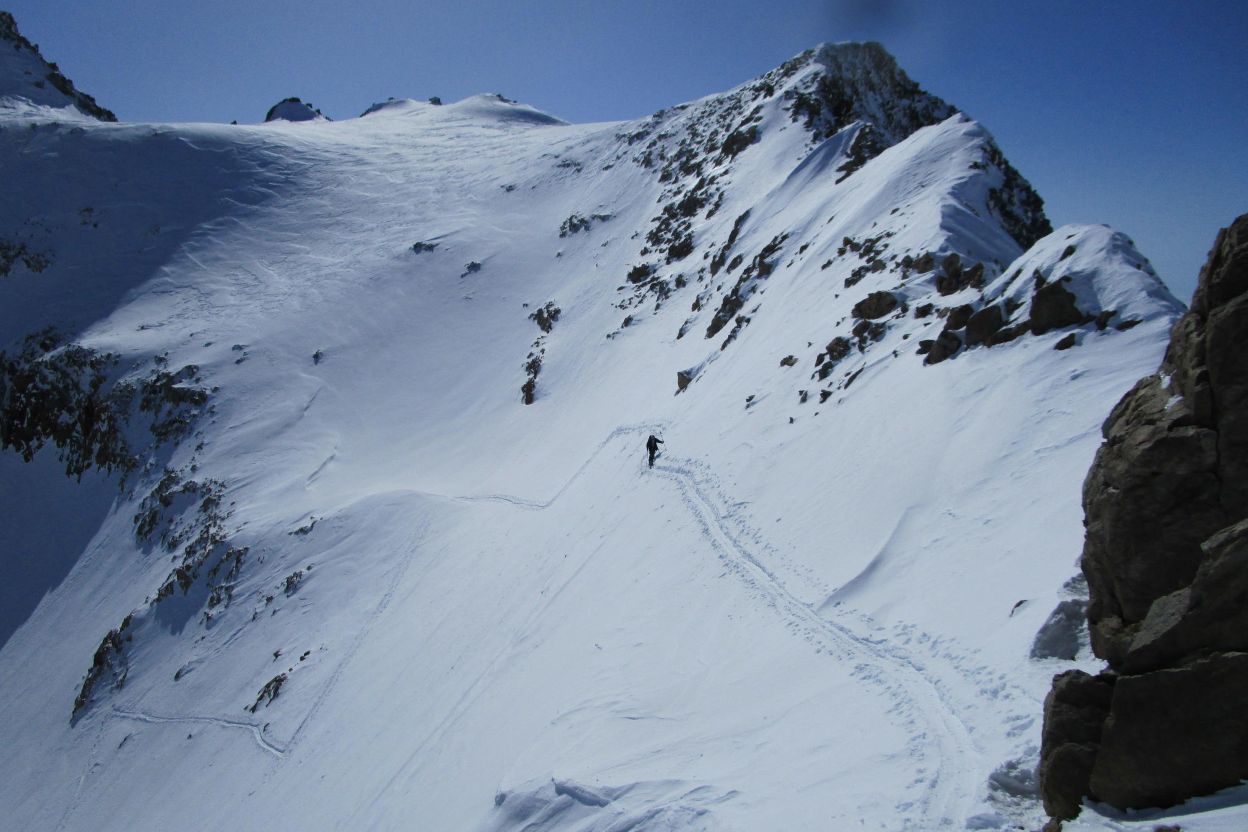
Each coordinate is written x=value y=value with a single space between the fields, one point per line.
x=294 y=109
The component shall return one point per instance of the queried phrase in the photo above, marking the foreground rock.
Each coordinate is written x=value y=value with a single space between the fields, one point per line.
x=1166 y=558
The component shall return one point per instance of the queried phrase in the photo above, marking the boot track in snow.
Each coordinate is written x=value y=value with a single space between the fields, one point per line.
x=939 y=738
x=939 y=741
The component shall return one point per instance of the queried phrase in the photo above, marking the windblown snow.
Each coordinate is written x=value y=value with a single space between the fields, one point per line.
x=354 y=581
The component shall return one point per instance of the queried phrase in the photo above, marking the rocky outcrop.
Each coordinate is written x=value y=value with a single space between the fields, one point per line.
x=1053 y=307
x=1166 y=558
x=875 y=305
x=1074 y=719
x=293 y=109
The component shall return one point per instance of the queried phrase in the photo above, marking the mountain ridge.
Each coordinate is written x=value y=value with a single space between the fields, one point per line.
x=336 y=326
x=24 y=72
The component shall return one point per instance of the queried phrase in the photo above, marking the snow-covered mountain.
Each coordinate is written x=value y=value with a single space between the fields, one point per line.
x=360 y=532
x=25 y=75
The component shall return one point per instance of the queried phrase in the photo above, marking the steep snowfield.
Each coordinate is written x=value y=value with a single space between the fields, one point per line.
x=815 y=612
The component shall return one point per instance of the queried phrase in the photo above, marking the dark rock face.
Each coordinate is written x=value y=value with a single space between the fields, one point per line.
x=1166 y=558
x=954 y=277
x=985 y=323
x=1210 y=614
x=1172 y=470
x=1074 y=718
x=945 y=346
x=959 y=316
x=1174 y=733
x=875 y=305
x=1053 y=307
x=1059 y=635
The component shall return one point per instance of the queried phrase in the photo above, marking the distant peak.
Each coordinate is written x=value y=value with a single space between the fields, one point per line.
x=834 y=85
x=294 y=109
x=24 y=73
x=9 y=32
x=870 y=49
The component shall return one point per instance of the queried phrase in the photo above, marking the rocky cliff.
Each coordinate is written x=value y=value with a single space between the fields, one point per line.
x=1166 y=558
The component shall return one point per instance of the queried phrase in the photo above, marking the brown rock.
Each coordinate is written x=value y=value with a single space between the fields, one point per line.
x=1074 y=715
x=945 y=346
x=1166 y=559
x=985 y=323
x=875 y=305
x=1211 y=614
x=1149 y=501
x=950 y=278
x=838 y=348
x=1174 y=733
x=958 y=316
x=1052 y=307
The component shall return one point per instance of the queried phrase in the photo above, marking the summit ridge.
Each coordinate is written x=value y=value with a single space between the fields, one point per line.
x=24 y=73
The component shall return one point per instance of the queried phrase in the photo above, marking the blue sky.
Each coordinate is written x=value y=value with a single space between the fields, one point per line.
x=1134 y=114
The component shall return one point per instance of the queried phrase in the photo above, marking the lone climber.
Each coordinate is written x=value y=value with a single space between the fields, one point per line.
x=652 y=445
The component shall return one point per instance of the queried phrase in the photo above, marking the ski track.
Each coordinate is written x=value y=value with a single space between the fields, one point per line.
x=933 y=724
x=400 y=571
x=256 y=731
x=938 y=736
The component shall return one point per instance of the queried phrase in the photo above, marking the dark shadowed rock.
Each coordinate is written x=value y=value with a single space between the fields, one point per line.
x=958 y=316
x=953 y=276
x=1211 y=614
x=292 y=109
x=1174 y=733
x=1074 y=717
x=985 y=323
x=837 y=348
x=1053 y=307
x=950 y=277
x=945 y=346
x=684 y=378
x=1220 y=308
x=875 y=305
x=1058 y=637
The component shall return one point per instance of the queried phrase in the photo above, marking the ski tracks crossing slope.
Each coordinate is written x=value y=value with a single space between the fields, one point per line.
x=939 y=740
x=938 y=737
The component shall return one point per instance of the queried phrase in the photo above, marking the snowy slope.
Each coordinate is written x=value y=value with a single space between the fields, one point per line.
x=816 y=610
